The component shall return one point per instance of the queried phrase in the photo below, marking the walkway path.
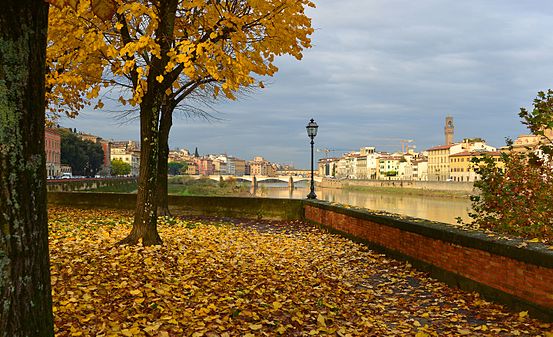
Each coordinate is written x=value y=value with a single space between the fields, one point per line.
x=229 y=277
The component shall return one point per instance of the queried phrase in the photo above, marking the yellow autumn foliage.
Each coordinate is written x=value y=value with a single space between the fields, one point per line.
x=215 y=277
x=227 y=43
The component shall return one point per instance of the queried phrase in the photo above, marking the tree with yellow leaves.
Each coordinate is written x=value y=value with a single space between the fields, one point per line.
x=162 y=52
x=25 y=291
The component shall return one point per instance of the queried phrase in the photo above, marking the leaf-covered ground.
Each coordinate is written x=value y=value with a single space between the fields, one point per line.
x=224 y=277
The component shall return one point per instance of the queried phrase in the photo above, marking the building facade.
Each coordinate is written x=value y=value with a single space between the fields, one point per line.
x=463 y=169
x=261 y=167
x=205 y=166
x=236 y=167
x=439 y=156
x=388 y=167
x=52 y=148
x=131 y=157
x=420 y=169
x=438 y=162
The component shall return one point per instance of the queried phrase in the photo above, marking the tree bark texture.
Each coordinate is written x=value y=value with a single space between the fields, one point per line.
x=25 y=291
x=145 y=216
x=164 y=128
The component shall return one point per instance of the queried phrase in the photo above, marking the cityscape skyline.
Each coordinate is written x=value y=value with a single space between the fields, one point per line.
x=377 y=72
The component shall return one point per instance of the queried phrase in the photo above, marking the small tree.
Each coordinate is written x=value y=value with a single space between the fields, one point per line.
x=519 y=198
x=120 y=168
x=176 y=168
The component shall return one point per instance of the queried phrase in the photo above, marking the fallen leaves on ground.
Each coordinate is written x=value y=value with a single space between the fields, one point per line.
x=227 y=277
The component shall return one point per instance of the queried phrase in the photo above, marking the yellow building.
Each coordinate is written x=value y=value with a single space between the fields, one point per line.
x=388 y=167
x=438 y=162
x=463 y=169
x=191 y=168
x=439 y=156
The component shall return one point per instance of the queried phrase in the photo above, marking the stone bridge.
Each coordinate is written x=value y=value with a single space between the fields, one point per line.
x=256 y=179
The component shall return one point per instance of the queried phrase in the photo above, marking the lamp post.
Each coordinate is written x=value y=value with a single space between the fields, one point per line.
x=312 y=132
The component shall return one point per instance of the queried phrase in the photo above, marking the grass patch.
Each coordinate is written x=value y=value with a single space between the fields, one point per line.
x=183 y=185
x=122 y=188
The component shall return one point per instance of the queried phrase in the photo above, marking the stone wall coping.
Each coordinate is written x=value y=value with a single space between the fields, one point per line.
x=533 y=253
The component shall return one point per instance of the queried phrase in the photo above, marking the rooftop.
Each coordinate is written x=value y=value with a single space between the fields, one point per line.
x=476 y=153
x=440 y=147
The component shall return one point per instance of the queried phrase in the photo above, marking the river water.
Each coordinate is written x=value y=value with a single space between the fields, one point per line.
x=436 y=208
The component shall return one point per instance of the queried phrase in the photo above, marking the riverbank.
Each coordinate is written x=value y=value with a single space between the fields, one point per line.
x=186 y=186
x=183 y=185
x=426 y=188
x=409 y=191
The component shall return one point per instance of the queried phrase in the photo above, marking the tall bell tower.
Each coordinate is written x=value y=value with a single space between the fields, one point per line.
x=448 y=130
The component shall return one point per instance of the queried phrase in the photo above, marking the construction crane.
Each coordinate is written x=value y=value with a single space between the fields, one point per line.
x=405 y=144
x=326 y=151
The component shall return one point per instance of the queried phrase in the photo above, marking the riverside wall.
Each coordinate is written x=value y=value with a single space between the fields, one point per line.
x=414 y=184
x=69 y=185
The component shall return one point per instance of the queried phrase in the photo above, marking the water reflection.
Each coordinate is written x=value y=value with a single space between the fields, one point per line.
x=443 y=209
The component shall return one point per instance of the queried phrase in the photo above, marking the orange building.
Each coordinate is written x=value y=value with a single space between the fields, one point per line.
x=261 y=167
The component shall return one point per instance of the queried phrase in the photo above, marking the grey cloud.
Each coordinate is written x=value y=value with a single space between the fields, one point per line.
x=384 y=69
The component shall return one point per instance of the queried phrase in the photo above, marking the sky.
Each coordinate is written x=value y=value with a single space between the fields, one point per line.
x=380 y=71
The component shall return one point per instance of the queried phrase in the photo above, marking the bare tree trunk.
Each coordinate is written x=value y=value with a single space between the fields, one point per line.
x=164 y=129
x=145 y=216
x=25 y=291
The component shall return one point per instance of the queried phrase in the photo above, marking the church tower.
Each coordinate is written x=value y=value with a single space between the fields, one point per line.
x=448 y=130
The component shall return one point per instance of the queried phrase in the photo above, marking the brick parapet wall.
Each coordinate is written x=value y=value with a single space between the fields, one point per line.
x=500 y=269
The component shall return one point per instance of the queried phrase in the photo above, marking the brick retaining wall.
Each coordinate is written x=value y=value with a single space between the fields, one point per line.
x=521 y=277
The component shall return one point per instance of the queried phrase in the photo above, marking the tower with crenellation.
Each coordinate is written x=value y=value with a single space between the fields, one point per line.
x=448 y=130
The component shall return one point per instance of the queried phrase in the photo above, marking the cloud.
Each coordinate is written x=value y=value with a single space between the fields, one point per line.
x=384 y=69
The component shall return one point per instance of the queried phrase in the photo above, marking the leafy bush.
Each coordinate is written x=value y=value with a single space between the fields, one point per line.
x=519 y=198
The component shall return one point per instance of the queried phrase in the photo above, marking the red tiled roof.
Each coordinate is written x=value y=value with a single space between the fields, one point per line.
x=441 y=147
x=476 y=153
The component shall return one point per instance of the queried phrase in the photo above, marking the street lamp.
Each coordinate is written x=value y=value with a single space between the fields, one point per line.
x=312 y=132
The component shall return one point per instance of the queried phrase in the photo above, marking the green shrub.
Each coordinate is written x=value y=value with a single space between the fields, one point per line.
x=519 y=198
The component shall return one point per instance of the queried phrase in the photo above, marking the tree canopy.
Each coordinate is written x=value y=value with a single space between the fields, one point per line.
x=176 y=168
x=85 y=157
x=229 y=43
x=120 y=168
x=158 y=53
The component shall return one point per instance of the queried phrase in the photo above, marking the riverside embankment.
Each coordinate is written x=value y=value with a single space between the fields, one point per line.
x=452 y=188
